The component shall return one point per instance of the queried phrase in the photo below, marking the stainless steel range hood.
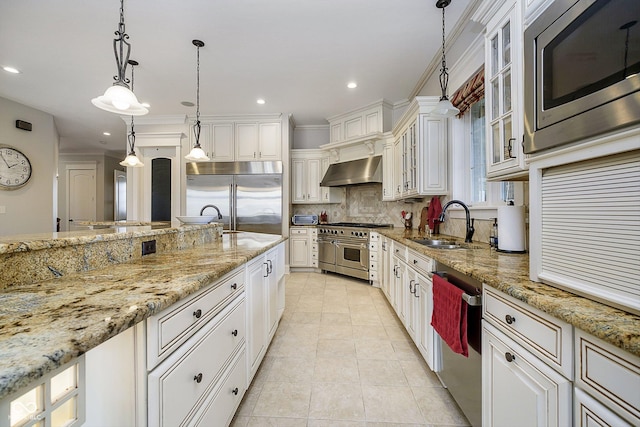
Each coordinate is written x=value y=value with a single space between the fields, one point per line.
x=361 y=171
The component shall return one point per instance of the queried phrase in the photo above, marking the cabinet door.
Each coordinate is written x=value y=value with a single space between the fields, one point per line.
x=270 y=141
x=328 y=194
x=256 y=313
x=387 y=172
x=411 y=161
x=503 y=74
x=247 y=141
x=298 y=251
x=221 y=142
x=398 y=183
x=411 y=304
x=588 y=412
x=298 y=181
x=313 y=180
x=428 y=344
x=519 y=389
x=272 y=291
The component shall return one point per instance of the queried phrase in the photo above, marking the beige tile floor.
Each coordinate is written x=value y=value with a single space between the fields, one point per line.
x=341 y=357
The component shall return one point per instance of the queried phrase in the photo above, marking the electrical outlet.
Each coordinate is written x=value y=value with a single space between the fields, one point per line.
x=148 y=247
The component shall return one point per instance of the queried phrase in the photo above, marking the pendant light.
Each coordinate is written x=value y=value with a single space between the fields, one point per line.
x=119 y=98
x=444 y=108
x=197 y=154
x=132 y=160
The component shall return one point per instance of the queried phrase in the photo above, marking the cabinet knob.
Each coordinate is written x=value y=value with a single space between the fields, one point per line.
x=234 y=286
x=235 y=391
x=198 y=378
x=197 y=313
x=234 y=332
x=509 y=319
x=415 y=261
x=510 y=357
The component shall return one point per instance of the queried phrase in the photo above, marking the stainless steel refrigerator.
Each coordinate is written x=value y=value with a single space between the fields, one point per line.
x=248 y=194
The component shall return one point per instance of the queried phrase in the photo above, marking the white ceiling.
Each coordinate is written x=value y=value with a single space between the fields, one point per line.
x=296 y=54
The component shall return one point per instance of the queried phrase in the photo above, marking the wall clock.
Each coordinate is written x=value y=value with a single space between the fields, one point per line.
x=15 y=168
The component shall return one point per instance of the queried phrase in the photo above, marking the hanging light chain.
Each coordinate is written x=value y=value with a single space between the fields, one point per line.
x=131 y=138
x=197 y=127
x=444 y=74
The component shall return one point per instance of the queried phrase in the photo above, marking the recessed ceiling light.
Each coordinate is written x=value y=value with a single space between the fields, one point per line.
x=188 y=103
x=261 y=101
x=352 y=85
x=106 y=133
x=11 y=70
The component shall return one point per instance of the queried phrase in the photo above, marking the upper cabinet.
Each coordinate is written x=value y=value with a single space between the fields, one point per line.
x=307 y=169
x=241 y=140
x=419 y=151
x=370 y=120
x=504 y=91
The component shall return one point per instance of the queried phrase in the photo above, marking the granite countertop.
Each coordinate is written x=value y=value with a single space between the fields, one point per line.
x=48 y=323
x=509 y=273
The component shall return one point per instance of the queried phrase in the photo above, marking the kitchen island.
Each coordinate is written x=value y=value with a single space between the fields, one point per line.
x=49 y=322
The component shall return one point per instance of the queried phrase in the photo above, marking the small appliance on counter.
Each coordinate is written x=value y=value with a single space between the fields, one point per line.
x=304 y=220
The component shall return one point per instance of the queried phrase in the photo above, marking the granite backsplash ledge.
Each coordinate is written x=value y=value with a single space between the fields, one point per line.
x=27 y=259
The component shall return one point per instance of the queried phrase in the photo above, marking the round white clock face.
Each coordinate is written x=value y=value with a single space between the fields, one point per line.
x=15 y=168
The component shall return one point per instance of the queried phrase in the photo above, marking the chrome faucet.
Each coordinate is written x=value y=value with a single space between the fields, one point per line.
x=211 y=206
x=470 y=228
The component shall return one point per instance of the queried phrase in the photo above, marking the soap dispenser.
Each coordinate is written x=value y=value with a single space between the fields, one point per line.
x=493 y=236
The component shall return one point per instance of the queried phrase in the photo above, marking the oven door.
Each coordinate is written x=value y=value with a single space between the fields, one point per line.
x=326 y=253
x=352 y=258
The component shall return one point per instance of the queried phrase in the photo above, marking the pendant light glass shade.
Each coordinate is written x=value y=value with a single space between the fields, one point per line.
x=119 y=98
x=197 y=154
x=132 y=161
x=444 y=108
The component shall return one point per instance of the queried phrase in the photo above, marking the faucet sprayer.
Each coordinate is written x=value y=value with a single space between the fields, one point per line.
x=470 y=229
x=211 y=206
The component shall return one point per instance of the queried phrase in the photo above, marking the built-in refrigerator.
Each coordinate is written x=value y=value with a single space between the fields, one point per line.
x=247 y=194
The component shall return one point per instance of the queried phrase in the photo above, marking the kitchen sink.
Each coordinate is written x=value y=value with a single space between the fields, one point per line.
x=437 y=244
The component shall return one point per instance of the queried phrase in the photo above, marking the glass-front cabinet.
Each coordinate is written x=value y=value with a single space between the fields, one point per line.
x=503 y=80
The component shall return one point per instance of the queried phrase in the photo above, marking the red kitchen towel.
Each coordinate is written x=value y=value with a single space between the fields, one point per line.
x=434 y=211
x=449 y=317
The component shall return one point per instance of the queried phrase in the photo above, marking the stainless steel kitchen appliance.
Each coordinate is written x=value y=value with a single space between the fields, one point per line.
x=343 y=248
x=300 y=219
x=248 y=194
x=463 y=375
x=582 y=71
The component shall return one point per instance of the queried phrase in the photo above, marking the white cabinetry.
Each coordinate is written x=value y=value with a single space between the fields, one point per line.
x=607 y=384
x=308 y=168
x=263 y=285
x=504 y=92
x=369 y=120
x=303 y=247
x=518 y=388
x=420 y=151
x=387 y=171
x=375 y=264
x=237 y=139
x=526 y=364
x=189 y=346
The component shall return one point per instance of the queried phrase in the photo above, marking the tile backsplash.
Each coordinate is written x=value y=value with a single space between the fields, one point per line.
x=362 y=203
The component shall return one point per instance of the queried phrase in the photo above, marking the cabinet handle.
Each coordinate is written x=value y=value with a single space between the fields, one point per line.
x=509 y=319
x=415 y=290
x=267 y=269
x=271 y=264
x=411 y=287
x=234 y=332
x=198 y=378
x=235 y=391
x=510 y=357
x=254 y=154
x=234 y=286
x=197 y=313
x=510 y=148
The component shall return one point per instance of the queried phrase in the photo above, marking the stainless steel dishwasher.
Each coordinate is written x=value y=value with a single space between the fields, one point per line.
x=462 y=376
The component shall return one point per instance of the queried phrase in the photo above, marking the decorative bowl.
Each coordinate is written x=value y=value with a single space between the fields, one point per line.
x=201 y=219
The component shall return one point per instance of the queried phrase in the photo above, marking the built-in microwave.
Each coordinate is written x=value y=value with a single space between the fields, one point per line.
x=582 y=71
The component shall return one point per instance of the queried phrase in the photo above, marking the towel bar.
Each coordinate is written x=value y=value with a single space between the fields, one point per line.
x=472 y=300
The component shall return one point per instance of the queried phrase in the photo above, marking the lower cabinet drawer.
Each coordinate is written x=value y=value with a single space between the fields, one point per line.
x=220 y=408
x=419 y=262
x=181 y=381
x=171 y=327
x=610 y=375
x=545 y=336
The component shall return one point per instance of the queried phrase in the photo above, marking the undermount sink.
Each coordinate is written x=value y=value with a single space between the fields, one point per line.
x=437 y=244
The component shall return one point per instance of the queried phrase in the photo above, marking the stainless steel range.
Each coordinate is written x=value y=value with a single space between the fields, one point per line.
x=343 y=247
